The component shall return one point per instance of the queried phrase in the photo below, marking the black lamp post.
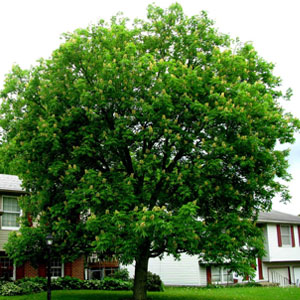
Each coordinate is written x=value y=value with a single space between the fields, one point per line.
x=49 y=242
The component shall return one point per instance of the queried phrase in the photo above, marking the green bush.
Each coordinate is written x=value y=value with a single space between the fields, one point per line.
x=42 y=281
x=39 y=284
x=10 y=289
x=29 y=287
x=115 y=284
x=122 y=274
x=154 y=283
x=67 y=283
x=93 y=284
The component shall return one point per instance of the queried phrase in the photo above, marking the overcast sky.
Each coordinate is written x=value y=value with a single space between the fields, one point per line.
x=31 y=29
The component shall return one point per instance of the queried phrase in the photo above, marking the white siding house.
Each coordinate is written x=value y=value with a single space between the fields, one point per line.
x=281 y=264
x=175 y=272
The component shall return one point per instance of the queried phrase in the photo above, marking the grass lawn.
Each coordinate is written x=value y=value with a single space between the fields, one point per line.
x=253 y=293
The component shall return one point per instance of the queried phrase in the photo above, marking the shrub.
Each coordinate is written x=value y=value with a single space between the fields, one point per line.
x=67 y=283
x=122 y=274
x=39 y=284
x=10 y=289
x=39 y=280
x=154 y=283
x=93 y=284
x=115 y=284
x=29 y=287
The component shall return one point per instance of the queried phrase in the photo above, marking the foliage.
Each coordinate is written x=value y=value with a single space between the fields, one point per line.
x=10 y=289
x=67 y=283
x=114 y=284
x=32 y=243
x=154 y=283
x=136 y=141
x=29 y=287
x=39 y=280
x=70 y=283
x=39 y=284
x=122 y=274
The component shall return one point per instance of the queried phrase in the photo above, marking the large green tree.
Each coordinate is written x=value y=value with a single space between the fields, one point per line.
x=144 y=140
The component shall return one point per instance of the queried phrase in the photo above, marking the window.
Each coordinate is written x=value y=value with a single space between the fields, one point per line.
x=108 y=271
x=56 y=268
x=285 y=235
x=215 y=274
x=11 y=212
x=221 y=275
x=100 y=273
x=227 y=276
x=6 y=268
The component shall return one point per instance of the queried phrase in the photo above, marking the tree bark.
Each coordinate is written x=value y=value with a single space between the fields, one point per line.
x=140 y=276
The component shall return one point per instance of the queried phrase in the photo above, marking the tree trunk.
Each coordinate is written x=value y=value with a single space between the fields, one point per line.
x=140 y=276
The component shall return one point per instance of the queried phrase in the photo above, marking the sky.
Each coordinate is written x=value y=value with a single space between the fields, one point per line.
x=32 y=29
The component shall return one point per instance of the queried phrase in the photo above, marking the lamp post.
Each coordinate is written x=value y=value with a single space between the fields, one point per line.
x=49 y=242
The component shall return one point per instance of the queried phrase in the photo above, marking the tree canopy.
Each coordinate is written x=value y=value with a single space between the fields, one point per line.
x=144 y=140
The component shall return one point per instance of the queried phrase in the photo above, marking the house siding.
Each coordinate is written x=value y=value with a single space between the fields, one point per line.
x=266 y=244
x=291 y=265
x=203 y=275
x=185 y=271
x=3 y=238
x=278 y=254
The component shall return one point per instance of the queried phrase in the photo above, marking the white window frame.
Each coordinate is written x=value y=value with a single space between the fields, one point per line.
x=216 y=271
x=222 y=274
x=13 y=265
x=289 y=235
x=226 y=274
x=2 y=208
x=62 y=267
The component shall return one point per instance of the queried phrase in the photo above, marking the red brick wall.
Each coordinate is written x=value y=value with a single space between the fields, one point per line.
x=29 y=270
x=74 y=269
x=78 y=268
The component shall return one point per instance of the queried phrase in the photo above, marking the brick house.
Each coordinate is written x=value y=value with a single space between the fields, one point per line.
x=10 y=190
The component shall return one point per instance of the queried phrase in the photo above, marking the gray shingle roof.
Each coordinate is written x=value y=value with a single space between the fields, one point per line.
x=275 y=216
x=10 y=183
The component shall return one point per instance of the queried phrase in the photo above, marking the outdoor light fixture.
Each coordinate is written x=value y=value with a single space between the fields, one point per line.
x=49 y=243
x=49 y=240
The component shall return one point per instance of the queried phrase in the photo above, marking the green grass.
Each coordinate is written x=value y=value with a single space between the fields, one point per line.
x=253 y=293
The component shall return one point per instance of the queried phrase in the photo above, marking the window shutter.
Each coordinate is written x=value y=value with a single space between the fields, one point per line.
x=68 y=269
x=279 y=236
x=299 y=234
x=20 y=272
x=42 y=270
x=208 y=275
x=260 y=269
x=29 y=219
x=292 y=236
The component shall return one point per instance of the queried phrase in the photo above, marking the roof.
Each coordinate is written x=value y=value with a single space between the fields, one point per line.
x=10 y=183
x=275 y=216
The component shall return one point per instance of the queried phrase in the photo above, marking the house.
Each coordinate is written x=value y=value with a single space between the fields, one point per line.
x=10 y=190
x=82 y=268
x=281 y=263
